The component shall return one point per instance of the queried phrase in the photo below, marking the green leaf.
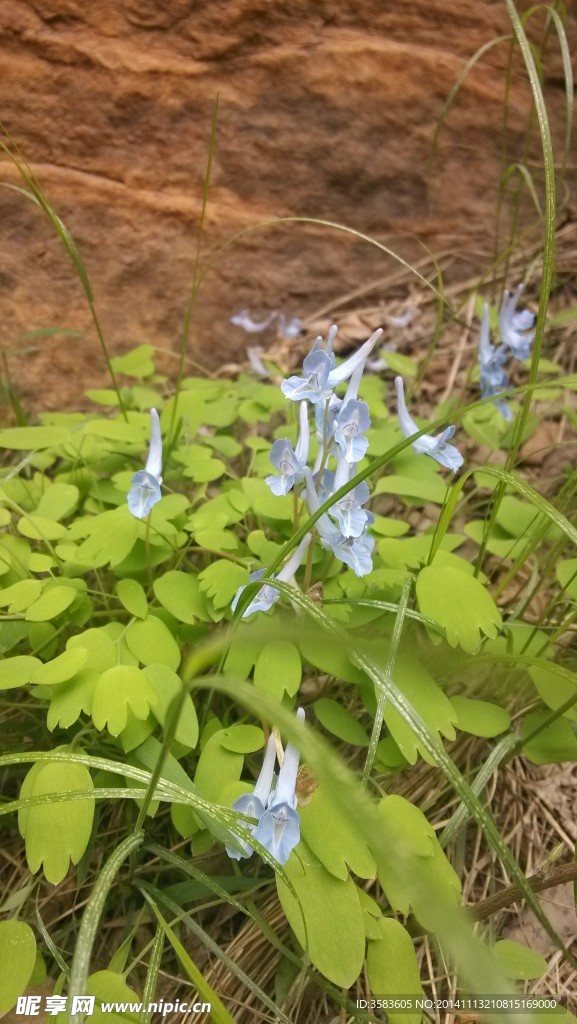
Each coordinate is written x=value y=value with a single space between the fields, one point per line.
x=216 y=768
x=333 y=839
x=392 y=968
x=137 y=363
x=17 y=671
x=121 y=688
x=554 y=689
x=221 y=581
x=180 y=593
x=167 y=685
x=152 y=642
x=420 y=491
x=519 y=962
x=110 y=987
x=340 y=722
x=18 y=597
x=26 y=438
x=278 y=669
x=480 y=718
x=58 y=501
x=17 y=956
x=566 y=572
x=242 y=739
x=60 y=669
x=424 y=862
x=459 y=603
x=55 y=600
x=428 y=700
x=553 y=744
x=133 y=597
x=335 y=931
x=37 y=527
x=71 y=699
x=264 y=503
x=57 y=832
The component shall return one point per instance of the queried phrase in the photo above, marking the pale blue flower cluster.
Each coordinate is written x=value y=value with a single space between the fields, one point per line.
x=288 y=327
x=517 y=334
x=278 y=824
x=341 y=426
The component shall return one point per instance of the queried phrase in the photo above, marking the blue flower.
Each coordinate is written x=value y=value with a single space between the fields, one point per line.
x=279 y=827
x=515 y=327
x=290 y=461
x=320 y=373
x=349 y=427
x=244 y=320
x=493 y=376
x=254 y=804
x=353 y=551
x=352 y=520
x=145 y=490
x=437 y=447
x=268 y=595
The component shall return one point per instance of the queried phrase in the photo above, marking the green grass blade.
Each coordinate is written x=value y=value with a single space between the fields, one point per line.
x=152 y=973
x=219 y=1012
x=91 y=919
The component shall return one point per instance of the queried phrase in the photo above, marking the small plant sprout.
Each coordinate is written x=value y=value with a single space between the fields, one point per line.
x=254 y=804
x=268 y=595
x=493 y=376
x=145 y=490
x=437 y=447
x=279 y=827
x=290 y=461
x=515 y=327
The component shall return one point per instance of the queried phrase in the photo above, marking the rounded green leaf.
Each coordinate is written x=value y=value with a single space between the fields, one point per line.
x=58 y=501
x=58 y=831
x=392 y=968
x=167 y=685
x=340 y=722
x=60 y=669
x=242 y=739
x=519 y=962
x=119 y=689
x=17 y=956
x=40 y=528
x=553 y=744
x=17 y=671
x=27 y=438
x=21 y=595
x=133 y=597
x=152 y=642
x=53 y=602
x=459 y=603
x=332 y=911
x=278 y=669
x=430 y=702
x=479 y=717
x=179 y=592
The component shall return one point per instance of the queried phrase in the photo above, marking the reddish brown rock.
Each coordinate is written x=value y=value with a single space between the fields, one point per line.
x=326 y=110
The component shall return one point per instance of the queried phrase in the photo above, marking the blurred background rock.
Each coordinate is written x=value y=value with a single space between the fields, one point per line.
x=327 y=109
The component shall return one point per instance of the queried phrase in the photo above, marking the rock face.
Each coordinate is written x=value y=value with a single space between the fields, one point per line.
x=326 y=110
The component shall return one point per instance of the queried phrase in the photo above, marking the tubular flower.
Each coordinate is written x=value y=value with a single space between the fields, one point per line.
x=353 y=551
x=437 y=447
x=493 y=376
x=290 y=461
x=279 y=827
x=320 y=373
x=254 y=804
x=145 y=490
x=268 y=595
x=515 y=327
x=352 y=519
